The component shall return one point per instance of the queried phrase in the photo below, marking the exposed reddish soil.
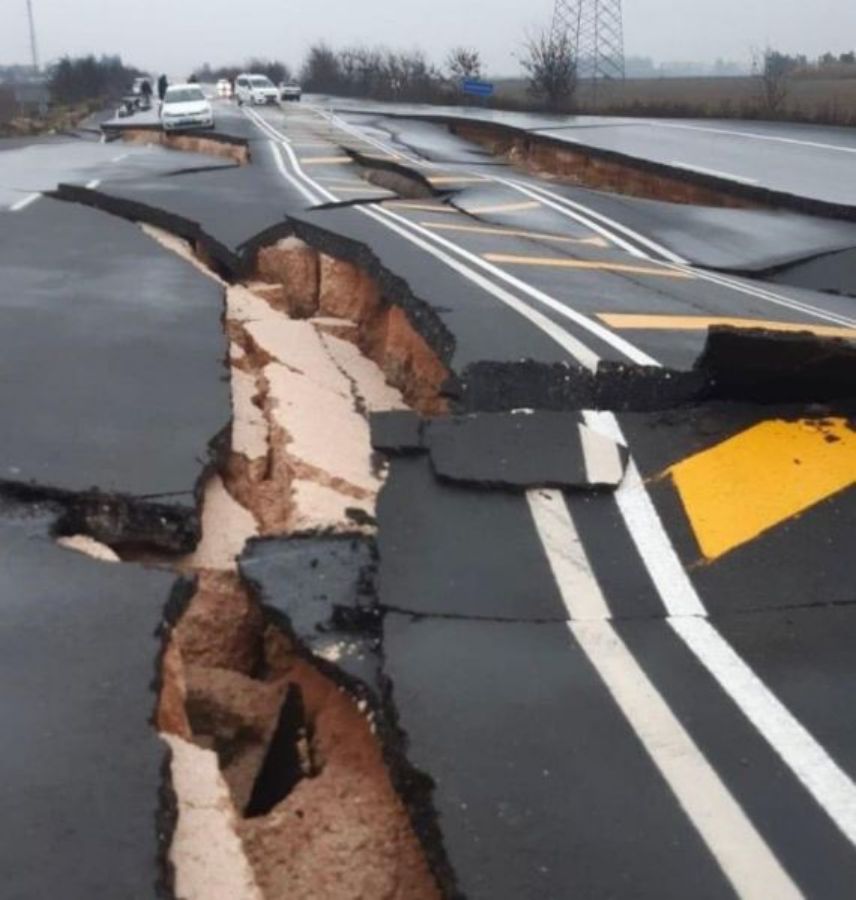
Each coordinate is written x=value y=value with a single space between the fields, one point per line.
x=189 y=143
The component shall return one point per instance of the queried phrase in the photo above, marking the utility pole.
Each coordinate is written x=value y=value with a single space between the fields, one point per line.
x=34 y=51
x=596 y=33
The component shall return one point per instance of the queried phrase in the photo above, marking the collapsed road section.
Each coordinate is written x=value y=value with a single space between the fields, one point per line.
x=472 y=598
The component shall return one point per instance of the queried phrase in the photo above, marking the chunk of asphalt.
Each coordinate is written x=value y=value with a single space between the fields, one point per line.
x=768 y=367
x=397 y=431
x=524 y=449
x=111 y=361
x=440 y=547
x=322 y=589
x=81 y=767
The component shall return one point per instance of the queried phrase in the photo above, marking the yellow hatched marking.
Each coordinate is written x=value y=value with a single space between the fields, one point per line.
x=504 y=207
x=772 y=472
x=325 y=160
x=701 y=323
x=550 y=262
x=425 y=207
x=509 y=232
x=456 y=179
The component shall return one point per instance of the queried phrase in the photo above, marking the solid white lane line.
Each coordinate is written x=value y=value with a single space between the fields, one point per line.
x=704 y=171
x=280 y=164
x=606 y=335
x=24 y=203
x=566 y=555
x=573 y=347
x=603 y=461
x=752 y=135
x=741 y=852
x=804 y=756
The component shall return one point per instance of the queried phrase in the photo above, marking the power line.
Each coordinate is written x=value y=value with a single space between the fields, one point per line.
x=34 y=51
x=596 y=33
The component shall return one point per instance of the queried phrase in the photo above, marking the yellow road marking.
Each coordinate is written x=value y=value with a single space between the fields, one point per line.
x=368 y=189
x=324 y=160
x=585 y=264
x=456 y=179
x=426 y=207
x=700 y=323
x=743 y=487
x=504 y=207
x=508 y=232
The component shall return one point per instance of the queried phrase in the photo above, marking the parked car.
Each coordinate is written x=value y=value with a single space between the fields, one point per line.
x=257 y=90
x=185 y=106
x=290 y=90
x=224 y=88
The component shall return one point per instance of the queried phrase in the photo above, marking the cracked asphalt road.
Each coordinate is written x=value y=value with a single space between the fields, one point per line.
x=642 y=689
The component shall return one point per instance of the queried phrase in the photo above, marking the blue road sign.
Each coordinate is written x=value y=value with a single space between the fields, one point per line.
x=477 y=88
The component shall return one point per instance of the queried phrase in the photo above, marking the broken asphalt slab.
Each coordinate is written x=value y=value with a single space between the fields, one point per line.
x=112 y=360
x=516 y=450
x=84 y=806
x=322 y=588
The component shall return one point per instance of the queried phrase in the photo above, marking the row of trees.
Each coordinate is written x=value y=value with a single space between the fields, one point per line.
x=87 y=78
x=374 y=72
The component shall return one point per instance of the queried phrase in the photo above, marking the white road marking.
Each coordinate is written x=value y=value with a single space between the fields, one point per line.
x=803 y=753
x=704 y=171
x=584 y=215
x=91 y=185
x=741 y=852
x=566 y=555
x=603 y=462
x=24 y=203
x=752 y=135
x=120 y=157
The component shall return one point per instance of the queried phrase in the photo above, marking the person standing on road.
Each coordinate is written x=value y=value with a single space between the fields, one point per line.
x=163 y=84
x=146 y=92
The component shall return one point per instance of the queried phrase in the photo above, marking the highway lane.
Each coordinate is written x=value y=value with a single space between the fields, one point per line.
x=804 y=161
x=630 y=549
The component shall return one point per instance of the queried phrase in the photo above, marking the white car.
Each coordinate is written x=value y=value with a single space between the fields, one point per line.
x=224 y=88
x=185 y=106
x=256 y=90
x=290 y=90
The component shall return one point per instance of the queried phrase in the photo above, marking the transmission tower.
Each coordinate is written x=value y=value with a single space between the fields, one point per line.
x=34 y=51
x=596 y=33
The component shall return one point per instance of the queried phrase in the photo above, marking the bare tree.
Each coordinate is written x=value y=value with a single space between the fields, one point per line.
x=773 y=71
x=551 y=68
x=463 y=63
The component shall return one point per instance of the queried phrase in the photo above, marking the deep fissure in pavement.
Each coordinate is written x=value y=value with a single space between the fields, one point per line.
x=310 y=792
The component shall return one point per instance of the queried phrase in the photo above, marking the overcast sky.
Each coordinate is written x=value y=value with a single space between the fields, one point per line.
x=176 y=35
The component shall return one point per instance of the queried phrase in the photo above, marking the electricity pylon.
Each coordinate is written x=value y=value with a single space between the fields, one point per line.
x=596 y=33
x=34 y=50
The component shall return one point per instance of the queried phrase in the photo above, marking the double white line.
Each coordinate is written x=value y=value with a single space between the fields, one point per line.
x=743 y=855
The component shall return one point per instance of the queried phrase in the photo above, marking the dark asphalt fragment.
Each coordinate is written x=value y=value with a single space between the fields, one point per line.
x=524 y=449
x=321 y=588
x=398 y=431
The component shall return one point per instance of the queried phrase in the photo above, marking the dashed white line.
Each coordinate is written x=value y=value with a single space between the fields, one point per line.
x=91 y=185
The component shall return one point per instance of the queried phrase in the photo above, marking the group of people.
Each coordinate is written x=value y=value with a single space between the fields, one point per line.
x=146 y=88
